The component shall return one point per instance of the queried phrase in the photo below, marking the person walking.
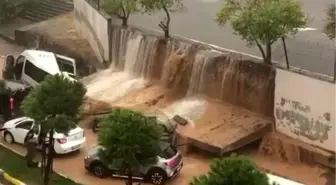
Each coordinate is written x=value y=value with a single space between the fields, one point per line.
x=31 y=144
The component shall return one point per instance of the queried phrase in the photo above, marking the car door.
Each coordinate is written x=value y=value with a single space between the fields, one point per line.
x=21 y=130
x=8 y=67
x=66 y=64
x=122 y=173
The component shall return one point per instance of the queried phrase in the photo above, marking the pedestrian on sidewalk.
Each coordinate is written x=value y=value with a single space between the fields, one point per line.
x=31 y=144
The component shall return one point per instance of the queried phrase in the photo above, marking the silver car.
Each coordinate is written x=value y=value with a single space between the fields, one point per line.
x=168 y=165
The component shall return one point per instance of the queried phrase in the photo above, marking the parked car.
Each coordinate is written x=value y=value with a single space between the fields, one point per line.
x=17 y=129
x=168 y=165
x=11 y=97
x=168 y=126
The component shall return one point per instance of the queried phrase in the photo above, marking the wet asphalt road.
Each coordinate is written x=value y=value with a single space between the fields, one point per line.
x=310 y=50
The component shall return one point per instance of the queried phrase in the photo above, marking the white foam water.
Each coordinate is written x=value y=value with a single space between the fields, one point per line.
x=189 y=108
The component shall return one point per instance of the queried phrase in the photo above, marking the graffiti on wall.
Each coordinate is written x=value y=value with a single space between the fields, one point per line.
x=297 y=117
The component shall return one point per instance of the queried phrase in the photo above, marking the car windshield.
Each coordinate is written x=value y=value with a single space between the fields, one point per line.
x=168 y=151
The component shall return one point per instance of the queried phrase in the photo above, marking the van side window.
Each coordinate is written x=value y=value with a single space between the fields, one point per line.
x=20 y=59
x=34 y=72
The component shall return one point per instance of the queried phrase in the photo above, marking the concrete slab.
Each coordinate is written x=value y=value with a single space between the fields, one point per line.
x=224 y=128
x=7 y=30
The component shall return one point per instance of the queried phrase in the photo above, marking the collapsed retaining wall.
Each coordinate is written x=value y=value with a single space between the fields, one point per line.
x=191 y=68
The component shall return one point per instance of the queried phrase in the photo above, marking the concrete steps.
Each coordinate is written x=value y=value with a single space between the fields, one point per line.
x=47 y=9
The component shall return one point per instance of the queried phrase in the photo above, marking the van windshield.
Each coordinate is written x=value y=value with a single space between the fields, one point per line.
x=65 y=66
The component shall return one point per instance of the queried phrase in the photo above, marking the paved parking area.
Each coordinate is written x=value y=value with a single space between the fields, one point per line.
x=195 y=164
x=72 y=165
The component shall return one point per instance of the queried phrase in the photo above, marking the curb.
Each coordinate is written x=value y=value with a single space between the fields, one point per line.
x=10 y=179
x=15 y=181
x=8 y=39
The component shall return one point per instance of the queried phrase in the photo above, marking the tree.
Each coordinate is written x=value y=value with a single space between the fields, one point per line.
x=53 y=105
x=168 y=6
x=232 y=171
x=130 y=137
x=329 y=28
x=121 y=8
x=262 y=22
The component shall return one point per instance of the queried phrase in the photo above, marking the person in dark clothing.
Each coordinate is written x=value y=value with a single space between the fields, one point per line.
x=31 y=144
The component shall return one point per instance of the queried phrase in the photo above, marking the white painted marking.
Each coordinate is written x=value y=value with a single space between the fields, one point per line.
x=209 y=1
x=307 y=29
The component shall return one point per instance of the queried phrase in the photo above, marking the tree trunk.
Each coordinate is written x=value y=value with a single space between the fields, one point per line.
x=124 y=22
x=129 y=179
x=167 y=24
x=268 y=58
x=42 y=138
x=48 y=169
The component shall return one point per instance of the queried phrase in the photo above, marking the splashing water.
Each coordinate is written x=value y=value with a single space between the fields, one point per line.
x=188 y=108
x=111 y=86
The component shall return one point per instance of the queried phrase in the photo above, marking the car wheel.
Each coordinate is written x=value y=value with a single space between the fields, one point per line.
x=8 y=137
x=157 y=176
x=99 y=170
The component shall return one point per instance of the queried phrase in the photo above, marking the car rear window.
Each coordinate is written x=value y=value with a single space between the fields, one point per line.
x=168 y=151
x=73 y=125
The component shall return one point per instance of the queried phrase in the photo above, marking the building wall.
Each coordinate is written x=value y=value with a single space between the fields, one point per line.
x=93 y=25
x=305 y=109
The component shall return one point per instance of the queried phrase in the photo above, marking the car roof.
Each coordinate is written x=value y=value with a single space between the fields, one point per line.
x=42 y=59
x=15 y=121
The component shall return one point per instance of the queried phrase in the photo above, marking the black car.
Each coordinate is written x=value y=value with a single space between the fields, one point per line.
x=11 y=96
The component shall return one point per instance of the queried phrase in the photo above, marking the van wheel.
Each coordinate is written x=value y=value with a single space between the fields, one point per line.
x=8 y=137
x=99 y=170
x=157 y=176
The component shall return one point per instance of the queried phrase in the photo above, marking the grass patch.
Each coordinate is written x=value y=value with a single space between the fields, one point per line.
x=15 y=165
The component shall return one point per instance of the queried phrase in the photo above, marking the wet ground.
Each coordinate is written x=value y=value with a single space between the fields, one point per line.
x=195 y=163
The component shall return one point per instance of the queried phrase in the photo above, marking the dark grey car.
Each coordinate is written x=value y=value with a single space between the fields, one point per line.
x=168 y=165
x=168 y=125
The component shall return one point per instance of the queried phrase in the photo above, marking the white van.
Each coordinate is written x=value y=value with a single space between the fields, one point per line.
x=32 y=66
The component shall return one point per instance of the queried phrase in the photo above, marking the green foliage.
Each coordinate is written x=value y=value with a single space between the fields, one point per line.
x=232 y=171
x=151 y=6
x=168 y=6
x=57 y=98
x=15 y=165
x=329 y=28
x=262 y=22
x=130 y=139
x=121 y=8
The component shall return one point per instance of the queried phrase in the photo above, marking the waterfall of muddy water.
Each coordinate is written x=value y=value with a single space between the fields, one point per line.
x=189 y=108
x=202 y=60
x=119 y=46
x=229 y=71
x=133 y=54
x=133 y=47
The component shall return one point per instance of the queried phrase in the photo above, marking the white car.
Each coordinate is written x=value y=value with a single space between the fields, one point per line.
x=16 y=130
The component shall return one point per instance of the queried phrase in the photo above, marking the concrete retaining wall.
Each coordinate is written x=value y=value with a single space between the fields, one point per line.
x=303 y=103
